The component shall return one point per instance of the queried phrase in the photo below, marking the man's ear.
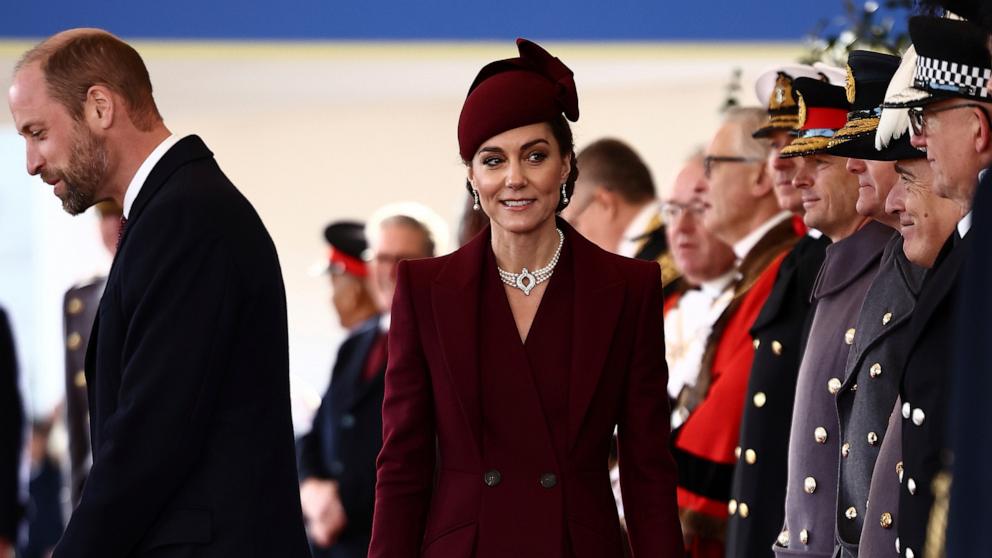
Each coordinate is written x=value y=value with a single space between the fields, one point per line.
x=99 y=108
x=983 y=133
x=606 y=199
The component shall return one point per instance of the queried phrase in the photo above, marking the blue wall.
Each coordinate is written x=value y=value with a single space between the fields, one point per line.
x=423 y=19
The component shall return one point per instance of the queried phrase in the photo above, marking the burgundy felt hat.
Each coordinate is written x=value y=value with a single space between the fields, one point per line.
x=534 y=87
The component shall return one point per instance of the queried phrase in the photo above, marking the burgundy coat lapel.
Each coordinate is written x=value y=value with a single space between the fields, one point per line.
x=455 y=300
x=599 y=294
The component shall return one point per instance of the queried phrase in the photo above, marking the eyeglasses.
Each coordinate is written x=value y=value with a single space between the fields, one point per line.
x=710 y=160
x=670 y=211
x=918 y=116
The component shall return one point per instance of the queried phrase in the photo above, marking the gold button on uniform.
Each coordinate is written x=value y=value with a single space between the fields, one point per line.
x=906 y=410
x=73 y=341
x=911 y=485
x=834 y=385
x=750 y=456
x=732 y=506
x=909 y=553
x=777 y=348
x=75 y=306
x=804 y=536
x=760 y=399
x=743 y=510
x=918 y=417
x=80 y=379
x=899 y=471
x=886 y=520
x=845 y=449
x=872 y=439
x=875 y=371
x=783 y=538
x=820 y=435
x=757 y=343
x=851 y=513
x=809 y=485
x=886 y=318
x=737 y=452
x=849 y=336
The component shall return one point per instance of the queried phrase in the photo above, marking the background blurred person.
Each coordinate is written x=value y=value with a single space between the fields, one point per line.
x=743 y=212
x=615 y=205
x=11 y=441
x=778 y=333
x=44 y=511
x=830 y=196
x=707 y=267
x=337 y=455
x=79 y=312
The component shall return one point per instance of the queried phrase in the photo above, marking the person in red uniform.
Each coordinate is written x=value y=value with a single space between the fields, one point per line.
x=512 y=360
x=742 y=211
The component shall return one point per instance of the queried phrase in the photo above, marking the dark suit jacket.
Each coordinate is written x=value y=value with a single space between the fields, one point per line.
x=11 y=434
x=925 y=393
x=346 y=437
x=432 y=419
x=778 y=331
x=188 y=378
x=970 y=513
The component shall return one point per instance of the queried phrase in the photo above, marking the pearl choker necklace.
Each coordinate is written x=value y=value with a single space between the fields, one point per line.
x=526 y=280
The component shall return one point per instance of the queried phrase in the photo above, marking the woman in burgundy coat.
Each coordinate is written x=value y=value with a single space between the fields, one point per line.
x=512 y=360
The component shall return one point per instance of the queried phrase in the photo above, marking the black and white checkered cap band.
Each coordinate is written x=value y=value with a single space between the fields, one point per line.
x=935 y=75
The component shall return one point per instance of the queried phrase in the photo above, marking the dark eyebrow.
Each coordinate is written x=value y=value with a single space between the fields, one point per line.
x=490 y=150
x=532 y=143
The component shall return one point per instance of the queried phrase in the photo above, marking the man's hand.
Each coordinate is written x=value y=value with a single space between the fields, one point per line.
x=322 y=510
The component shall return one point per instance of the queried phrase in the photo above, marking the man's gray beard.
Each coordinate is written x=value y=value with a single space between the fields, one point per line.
x=86 y=170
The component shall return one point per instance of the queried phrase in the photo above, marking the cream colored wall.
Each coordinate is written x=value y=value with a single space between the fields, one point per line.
x=316 y=132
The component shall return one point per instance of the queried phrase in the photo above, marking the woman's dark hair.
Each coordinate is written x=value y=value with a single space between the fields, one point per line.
x=562 y=132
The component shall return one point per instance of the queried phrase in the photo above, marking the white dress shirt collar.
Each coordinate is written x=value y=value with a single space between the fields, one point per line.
x=744 y=246
x=139 y=178
x=964 y=225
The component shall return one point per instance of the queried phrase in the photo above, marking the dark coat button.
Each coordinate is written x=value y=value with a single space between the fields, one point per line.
x=492 y=478
x=347 y=421
x=549 y=480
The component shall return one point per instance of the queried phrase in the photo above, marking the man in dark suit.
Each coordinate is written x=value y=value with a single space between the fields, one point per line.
x=337 y=456
x=79 y=312
x=187 y=367
x=11 y=440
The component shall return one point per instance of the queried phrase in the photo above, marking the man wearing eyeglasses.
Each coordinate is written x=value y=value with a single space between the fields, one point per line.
x=741 y=210
x=949 y=105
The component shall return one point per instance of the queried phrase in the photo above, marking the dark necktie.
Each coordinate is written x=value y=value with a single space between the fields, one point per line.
x=376 y=361
x=120 y=232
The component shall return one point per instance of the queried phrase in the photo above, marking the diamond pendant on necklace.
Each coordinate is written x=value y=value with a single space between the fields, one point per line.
x=526 y=280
